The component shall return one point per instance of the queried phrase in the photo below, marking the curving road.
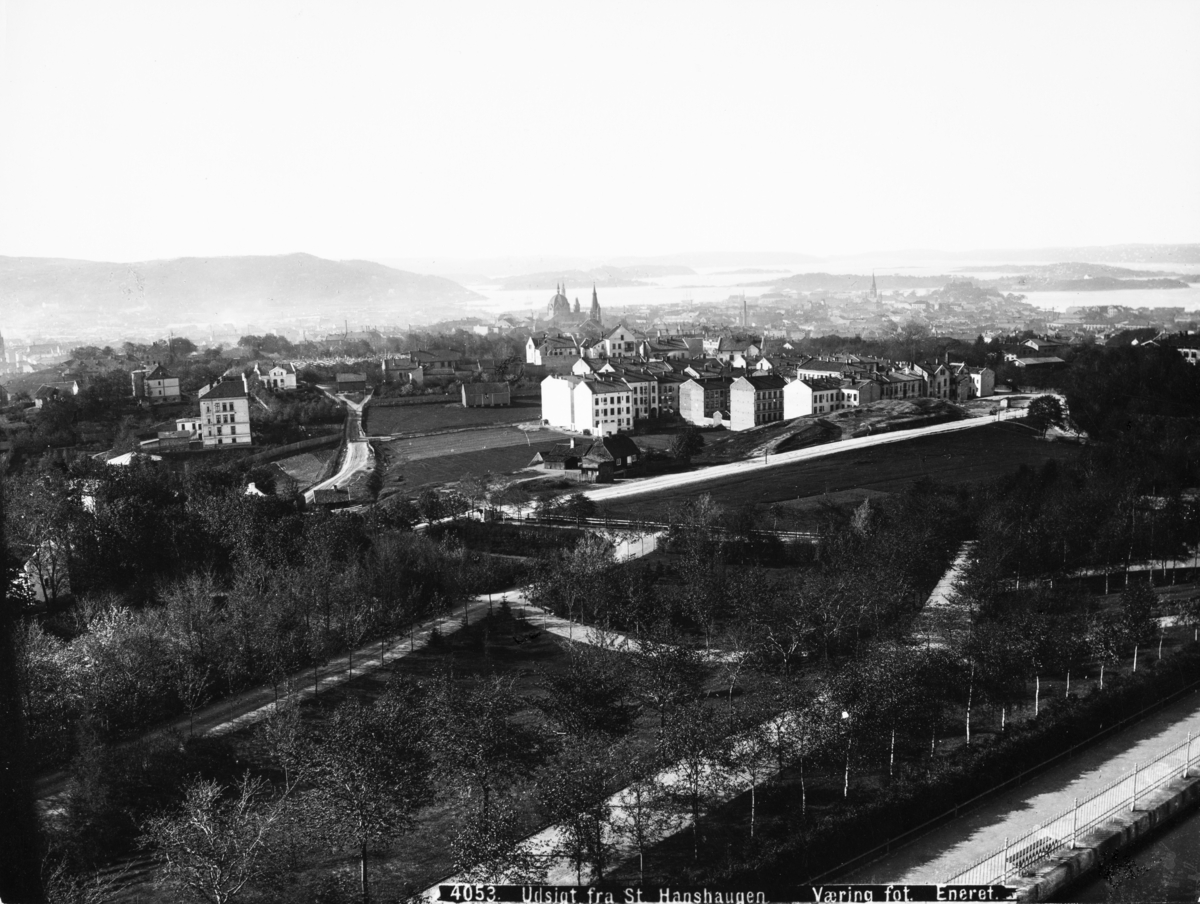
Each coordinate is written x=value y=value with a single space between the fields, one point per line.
x=356 y=454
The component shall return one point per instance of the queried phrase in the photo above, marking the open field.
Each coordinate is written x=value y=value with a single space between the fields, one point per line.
x=307 y=467
x=963 y=457
x=387 y=421
x=444 y=459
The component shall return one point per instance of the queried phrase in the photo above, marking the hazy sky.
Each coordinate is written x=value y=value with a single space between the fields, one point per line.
x=133 y=130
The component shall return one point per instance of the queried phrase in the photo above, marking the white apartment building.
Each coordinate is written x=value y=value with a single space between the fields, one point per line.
x=225 y=415
x=808 y=395
x=598 y=407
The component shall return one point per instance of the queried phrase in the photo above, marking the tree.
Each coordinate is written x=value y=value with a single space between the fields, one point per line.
x=476 y=742
x=574 y=791
x=695 y=744
x=19 y=876
x=217 y=842
x=687 y=443
x=666 y=672
x=1045 y=412
x=1138 y=601
x=491 y=849
x=642 y=816
x=371 y=771
x=592 y=695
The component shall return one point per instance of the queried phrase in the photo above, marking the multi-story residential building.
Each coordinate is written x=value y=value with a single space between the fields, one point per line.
x=225 y=415
x=936 y=377
x=897 y=385
x=700 y=400
x=156 y=385
x=755 y=400
x=806 y=396
x=973 y=382
x=668 y=391
x=643 y=391
x=856 y=393
x=599 y=407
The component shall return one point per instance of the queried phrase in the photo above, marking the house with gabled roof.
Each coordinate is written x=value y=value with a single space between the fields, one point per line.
x=49 y=393
x=280 y=376
x=622 y=342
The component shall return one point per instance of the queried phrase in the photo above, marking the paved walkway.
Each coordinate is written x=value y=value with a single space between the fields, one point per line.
x=958 y=844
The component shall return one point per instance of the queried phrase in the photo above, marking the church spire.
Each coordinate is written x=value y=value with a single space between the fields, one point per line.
x=874 y=290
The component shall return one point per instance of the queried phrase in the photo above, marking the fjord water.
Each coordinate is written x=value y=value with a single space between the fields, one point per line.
x=1167 y=868
x=710 y=285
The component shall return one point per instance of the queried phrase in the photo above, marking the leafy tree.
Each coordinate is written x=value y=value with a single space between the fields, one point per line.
x=695 y=744
x=19 y=876
x=476 y=741
x=1045 y=412
x=371 y=771
x=592 y=695
x=687 y=443
x=667 y=672
x=1138 y=602
x=574 y=790
x=491 y=849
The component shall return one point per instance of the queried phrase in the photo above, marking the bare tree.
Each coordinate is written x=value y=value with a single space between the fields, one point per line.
x=217 y=842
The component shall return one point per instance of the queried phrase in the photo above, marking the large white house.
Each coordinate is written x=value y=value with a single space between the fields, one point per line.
x=225 y=415
x=598 y=407
x=280 y=377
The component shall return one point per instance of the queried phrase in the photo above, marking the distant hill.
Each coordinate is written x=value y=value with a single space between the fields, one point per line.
x=61 y=293
x=851 y=282
x=1075 y=270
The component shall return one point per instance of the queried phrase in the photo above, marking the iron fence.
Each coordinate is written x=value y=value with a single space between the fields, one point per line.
x=1020 y=856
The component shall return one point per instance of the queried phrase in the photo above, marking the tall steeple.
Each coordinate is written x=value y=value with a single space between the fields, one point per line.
x=874 y=290
x=595 y=313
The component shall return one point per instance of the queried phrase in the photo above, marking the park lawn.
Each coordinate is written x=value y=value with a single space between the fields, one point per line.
x=489 y=647
x=398 y=419
x=979 y=454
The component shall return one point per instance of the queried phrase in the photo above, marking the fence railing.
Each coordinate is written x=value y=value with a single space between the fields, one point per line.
x=1064 y=831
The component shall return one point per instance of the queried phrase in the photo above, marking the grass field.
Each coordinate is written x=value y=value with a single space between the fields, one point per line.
x=962 y=457
x=406 y=475
x=385 y=421
x=307 y=467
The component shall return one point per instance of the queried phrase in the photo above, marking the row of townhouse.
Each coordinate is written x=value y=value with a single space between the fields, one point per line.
x=712 y=392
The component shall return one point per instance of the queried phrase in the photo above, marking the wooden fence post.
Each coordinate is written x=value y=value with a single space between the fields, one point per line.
x=1133 y=802
x=1075 y=824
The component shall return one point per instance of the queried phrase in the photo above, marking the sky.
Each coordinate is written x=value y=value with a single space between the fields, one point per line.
x=383 y=130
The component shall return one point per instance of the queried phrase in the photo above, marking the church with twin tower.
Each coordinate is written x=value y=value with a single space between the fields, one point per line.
x=562 y=314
